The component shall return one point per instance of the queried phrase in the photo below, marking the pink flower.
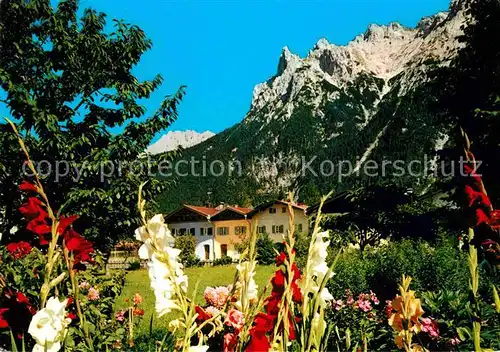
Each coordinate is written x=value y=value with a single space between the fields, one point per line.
x=84 y=285
x=430 y=327
x=364 y=305
x=235 y=319
x=455 y=341
x=216 y=297
x=338 y=304
x=212 y=311
x=222 y=296
x=374 y=298
x=210 y=295
x=230 y=342
x=120 y=315
x=93 y=294
x=137 y=299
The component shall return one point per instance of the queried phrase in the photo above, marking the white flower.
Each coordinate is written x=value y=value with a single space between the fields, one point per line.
x=48 y=326
x=246 y=275
x=13 y=230
x=154 y=234
x=318 y=269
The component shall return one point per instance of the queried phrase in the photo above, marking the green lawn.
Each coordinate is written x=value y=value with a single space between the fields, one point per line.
x=138 y=281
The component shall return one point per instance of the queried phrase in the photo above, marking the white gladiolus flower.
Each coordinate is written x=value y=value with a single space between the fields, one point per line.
x=318 y=268
x=48 y=326
x=154 y=234
x=246 y=272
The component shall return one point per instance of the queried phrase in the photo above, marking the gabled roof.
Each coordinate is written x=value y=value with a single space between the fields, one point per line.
x=232 y=213
x=264 y=206
x=190 y=211
x=206 y=211
x=241 y=210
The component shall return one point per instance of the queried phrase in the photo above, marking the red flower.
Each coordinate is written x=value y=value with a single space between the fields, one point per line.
x=495 y=219
x=481 y=217
x=296 y=272
x=3 y=321
x=296 y=293
x=17 y=312
x=478 y=198
x=202 y=315
x=79 y=246
x=138 y=311
x=258 y=343
x=34 y=208
x=278 y=281
x=280 y=259
x=263 y=324
x=19 y=250
x=26 y=186
x=41 y=228
x=71 y=316
x=65 y=222
x=273 y=303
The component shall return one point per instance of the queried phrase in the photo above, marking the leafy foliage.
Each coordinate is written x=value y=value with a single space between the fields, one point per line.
x=265 y=249
x=187 y=245
x=69 y=84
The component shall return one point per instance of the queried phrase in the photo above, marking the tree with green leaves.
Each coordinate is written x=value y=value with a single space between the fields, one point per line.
x=67 y=81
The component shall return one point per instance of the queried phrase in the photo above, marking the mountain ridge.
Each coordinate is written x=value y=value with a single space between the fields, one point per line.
x=364 y=100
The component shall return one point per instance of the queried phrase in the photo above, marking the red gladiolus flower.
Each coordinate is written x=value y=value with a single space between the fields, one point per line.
x=3 y=322
x=65 y=222
x=202 y=315
x=19 y=250
x=17 y=312
x=79 y=246
x=475 y=197
x=296 y=293
x=34 y=208
x=264 y=323
x=296 y=272
x=278 y=281
x=273 y=304
x=495 y=219
x=258 y=343
x=41 y=228
x=26 y=186
x=280 y=259
x=481 y=217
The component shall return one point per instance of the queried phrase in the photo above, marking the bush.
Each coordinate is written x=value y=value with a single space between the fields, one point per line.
x=192 y=261
x=135 y=265
x=443 y=266
x=265 y=250
x=225 y=260
x=187 y=245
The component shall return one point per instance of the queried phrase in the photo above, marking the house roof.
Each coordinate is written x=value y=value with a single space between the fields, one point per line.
x=232 y=213
x=264 y=206
x=206 y=211
x=241 y=210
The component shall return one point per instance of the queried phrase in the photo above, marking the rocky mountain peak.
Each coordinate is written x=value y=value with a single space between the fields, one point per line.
x=383 y=51
x=175 y=139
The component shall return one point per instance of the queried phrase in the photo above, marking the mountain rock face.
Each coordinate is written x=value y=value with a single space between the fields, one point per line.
x=175 y=139
x=365 y=101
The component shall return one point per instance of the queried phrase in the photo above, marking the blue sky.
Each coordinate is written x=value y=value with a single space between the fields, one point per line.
x=222 y=49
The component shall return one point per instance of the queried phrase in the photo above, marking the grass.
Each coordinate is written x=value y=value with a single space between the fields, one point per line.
x=138 y=282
